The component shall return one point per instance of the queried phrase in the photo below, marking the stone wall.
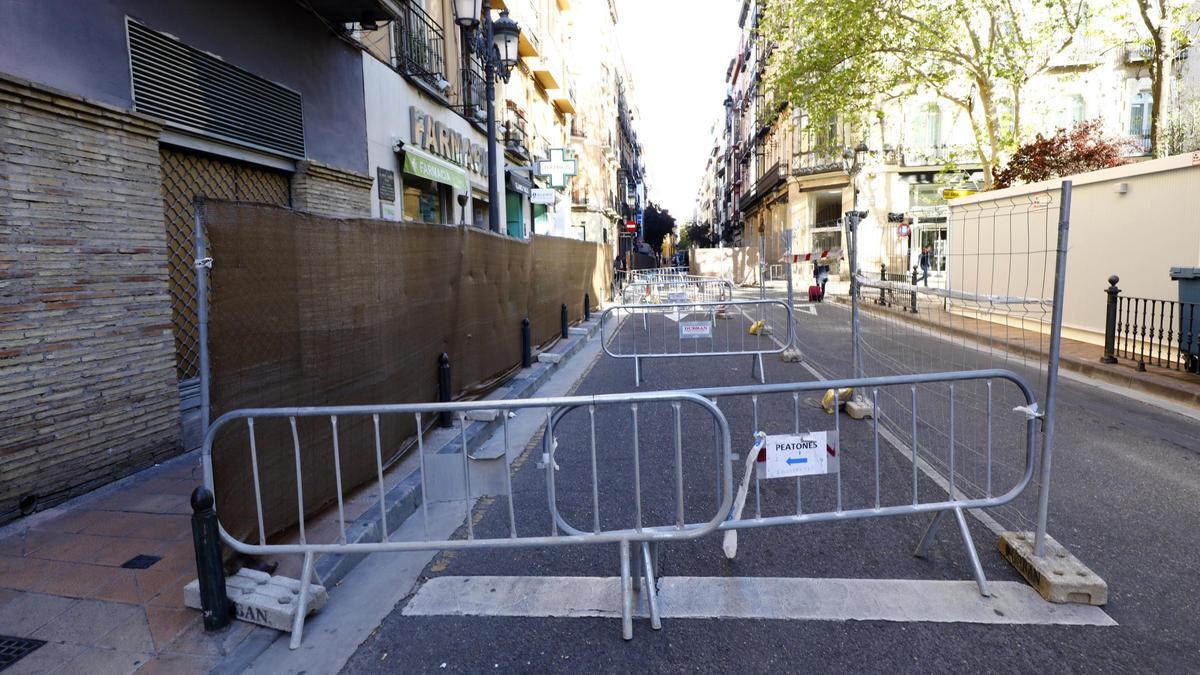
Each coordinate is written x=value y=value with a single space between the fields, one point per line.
x=87 y=365
x=325 y=191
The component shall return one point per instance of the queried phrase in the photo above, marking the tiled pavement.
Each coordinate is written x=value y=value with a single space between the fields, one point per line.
x=61 y=581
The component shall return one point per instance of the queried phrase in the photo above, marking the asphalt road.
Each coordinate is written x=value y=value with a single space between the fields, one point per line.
x=1125 y=492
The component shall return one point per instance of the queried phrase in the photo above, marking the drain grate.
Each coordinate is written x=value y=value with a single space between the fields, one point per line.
x=140 y=562
x=13 y=649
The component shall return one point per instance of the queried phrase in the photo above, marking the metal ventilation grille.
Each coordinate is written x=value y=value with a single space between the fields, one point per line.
x=203 y=94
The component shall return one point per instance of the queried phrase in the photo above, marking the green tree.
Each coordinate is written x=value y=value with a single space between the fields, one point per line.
x=1166 y=29
x=844 y=59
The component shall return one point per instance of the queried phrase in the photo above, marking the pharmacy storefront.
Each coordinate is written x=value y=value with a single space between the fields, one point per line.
x=429 y=163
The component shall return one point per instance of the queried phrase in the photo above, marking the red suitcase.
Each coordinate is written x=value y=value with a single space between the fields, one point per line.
x=814 y=293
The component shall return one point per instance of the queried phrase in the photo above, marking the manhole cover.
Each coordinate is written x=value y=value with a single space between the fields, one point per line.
x=13 y=649
x=140 y=562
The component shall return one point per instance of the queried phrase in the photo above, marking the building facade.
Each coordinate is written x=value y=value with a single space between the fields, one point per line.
x=781 y=177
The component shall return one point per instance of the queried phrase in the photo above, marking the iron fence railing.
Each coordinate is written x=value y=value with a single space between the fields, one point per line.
x=1162 y=333
x=473 y=96
x=420 y=45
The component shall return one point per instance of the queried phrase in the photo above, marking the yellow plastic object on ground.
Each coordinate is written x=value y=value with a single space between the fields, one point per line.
x=843 y=395
x=757 y=327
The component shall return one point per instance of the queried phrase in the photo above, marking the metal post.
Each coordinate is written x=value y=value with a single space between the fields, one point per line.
x=563 y=320
x=852 y=224
x=214 y=602
x=914 y=290
x=587 y=307
x=489 y=78
x=445 y=420
x=203 y=264
x=526 y=344
x=1060 y=281
x=1110 y=321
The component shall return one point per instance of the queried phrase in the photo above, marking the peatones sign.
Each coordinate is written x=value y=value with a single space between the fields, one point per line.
x=440 y=140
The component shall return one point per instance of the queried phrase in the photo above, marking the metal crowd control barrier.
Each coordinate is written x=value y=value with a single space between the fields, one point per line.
x=691 y=329
x=951 y=498
x=644 y=534
x=675 y=290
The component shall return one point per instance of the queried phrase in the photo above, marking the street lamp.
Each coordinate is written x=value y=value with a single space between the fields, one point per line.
x=853 y=160
x=496 y=44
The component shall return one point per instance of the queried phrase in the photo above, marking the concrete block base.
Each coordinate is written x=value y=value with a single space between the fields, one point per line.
x=481 y=415
x=1058 y=575
x=549 y=357
x=859 y=408
x=260 y=598
x=791 y=355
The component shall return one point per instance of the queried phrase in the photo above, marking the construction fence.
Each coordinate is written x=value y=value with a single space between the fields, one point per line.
x=311 y=311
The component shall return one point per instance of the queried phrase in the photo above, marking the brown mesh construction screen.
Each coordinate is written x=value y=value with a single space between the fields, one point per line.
x=308 y=310
x=185 y=176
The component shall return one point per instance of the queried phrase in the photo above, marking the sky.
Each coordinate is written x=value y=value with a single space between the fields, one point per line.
x=676 y=52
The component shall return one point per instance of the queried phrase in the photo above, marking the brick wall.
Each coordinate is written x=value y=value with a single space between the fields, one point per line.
x=331 y=192
x=88 y=391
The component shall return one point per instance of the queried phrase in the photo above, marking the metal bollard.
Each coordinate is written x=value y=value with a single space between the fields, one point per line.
x=526 y=344
x=914 y=291
x=445 y=419
x=587 y=307
x=214 y=602
x=563 y=319
x=1110 y=321
x=882 y=277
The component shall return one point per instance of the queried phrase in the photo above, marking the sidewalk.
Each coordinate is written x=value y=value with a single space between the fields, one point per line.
x=68 y=577
x=1076 y=356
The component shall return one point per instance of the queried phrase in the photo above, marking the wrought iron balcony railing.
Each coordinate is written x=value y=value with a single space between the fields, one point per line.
x=420 y=46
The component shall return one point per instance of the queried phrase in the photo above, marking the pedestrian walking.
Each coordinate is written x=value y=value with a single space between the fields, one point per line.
x=923 y=261
x=822 y=278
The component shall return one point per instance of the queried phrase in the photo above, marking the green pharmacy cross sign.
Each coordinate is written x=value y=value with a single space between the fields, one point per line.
x=558 y=168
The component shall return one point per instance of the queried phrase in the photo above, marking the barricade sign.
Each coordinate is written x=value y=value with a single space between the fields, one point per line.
x=791 y=455
x=677 y=297
x=695 y=329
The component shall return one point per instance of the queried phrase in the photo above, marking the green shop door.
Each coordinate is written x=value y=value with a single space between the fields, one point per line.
x=516 y=223
x=541 y=221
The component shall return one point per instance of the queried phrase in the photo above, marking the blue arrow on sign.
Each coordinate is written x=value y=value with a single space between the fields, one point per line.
x=797 y=460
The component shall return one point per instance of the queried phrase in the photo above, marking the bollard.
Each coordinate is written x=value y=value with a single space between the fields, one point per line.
x=882 y=277
x=526 y=344
x=587 y=307
x=1110 y=321
x=914 y=291
x=214 y=602
x=445 y=419
x=563 y=318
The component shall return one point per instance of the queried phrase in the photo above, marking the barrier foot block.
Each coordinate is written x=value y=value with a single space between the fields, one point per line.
x=791 y=355
x=549 y=357
x=1058 y=576
x=263 y=599
x=859 y=408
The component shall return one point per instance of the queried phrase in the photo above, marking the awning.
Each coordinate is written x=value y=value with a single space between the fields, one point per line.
x=425 y=165
x=519 y=183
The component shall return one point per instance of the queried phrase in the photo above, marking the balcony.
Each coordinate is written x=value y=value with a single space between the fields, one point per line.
x=1081 y=52
x=938 y=155
x=473 y=95
x=1138 y=145
x=810 y=163
x=547 y=69
x=420 y=47
x=1136 y=53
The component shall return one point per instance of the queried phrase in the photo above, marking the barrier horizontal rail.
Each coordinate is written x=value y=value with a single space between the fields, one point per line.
x=695 y=289
x=638 y=532
x=690 y=329
x=955 y=497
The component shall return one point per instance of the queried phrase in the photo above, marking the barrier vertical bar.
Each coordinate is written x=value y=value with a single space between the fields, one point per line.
x=202 y=264
x=1060 y=281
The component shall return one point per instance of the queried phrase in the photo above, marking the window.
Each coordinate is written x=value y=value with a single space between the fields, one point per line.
x=422 y=200
x=927 y=126
x=1139 y=118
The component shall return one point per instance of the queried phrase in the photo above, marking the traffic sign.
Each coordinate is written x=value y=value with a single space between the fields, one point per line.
x=630 y=226
x=695 y=329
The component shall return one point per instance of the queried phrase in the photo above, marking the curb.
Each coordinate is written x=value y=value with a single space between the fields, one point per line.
x=405 y=498
x=1122 y=377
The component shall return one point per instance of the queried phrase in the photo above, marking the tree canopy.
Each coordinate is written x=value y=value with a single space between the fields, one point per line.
x=1082 y=148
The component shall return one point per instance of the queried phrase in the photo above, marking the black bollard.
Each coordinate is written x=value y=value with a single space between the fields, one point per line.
x=914 y=291
x=564 y=321
x=214 y=603
x=587 y=307
x=445 y=419
x=526 y=344
x=1110 y=321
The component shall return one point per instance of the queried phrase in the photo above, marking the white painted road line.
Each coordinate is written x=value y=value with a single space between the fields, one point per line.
x=753 y=598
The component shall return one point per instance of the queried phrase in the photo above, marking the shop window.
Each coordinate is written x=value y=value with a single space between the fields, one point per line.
x=422 y=200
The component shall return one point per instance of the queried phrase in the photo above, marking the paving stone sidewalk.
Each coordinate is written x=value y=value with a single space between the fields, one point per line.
x=62 y=581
